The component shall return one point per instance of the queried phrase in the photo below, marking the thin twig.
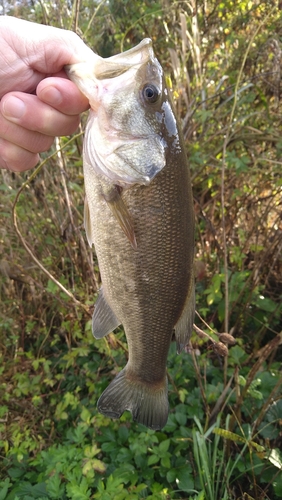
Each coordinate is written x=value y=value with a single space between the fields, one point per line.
x=202 y=334
x=205 y=323
x=93 y=17
x=202 y=390
x=24 y=243
x=76 y=17
x=77 y=232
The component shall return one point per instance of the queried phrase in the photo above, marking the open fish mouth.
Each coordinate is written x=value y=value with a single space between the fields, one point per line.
x=124 y=139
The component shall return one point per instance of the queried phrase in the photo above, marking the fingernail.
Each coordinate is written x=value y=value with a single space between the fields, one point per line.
x=13 y=107
x=51 y=96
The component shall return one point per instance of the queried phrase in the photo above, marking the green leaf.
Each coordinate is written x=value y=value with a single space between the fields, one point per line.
x=78 y=491
x=85 y=415
x=54 y=486
x=171 y=475
x=114 y=482
x=201 y=496
x=4 y=485
x=268 y=431
x=181 y=418
x=16 y=472
x=123 y=433
x=165 y=462
x=164 y=445
x=182 y=395
x=52 y=287
x=3 y=410
x=265 y=304
x=274 y=412
x=140 y=487
x=277 y=486
x=153 y=459
x=275 y=458
x=237 y=354
x=211 y=298
x=126 y=474
x=33 y=491
x=184 y=480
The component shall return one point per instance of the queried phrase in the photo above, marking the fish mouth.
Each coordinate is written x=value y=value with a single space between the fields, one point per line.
x=115 y=65
x=120 y=63
x=89 y=75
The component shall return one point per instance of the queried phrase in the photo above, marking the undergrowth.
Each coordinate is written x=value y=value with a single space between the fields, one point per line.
x=223 y=439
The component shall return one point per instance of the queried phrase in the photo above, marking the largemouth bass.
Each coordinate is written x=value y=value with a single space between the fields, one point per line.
x=139 y=216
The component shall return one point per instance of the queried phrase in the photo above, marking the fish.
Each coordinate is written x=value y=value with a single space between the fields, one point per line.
x=139 y=216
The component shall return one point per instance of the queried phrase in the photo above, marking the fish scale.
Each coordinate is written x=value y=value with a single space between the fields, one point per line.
x=139 y=215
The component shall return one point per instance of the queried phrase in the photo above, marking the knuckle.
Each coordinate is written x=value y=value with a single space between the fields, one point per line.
x=15 y=158
x=45 y=145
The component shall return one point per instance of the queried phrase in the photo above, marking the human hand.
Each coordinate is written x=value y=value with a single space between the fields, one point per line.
x=32 y=59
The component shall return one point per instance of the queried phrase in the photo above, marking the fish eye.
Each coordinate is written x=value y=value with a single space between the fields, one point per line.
x=150 y=93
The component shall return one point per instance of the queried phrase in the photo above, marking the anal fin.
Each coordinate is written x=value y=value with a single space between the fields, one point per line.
x=104 y=319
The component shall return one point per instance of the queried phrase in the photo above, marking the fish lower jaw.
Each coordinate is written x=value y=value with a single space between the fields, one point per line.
x=123 y=180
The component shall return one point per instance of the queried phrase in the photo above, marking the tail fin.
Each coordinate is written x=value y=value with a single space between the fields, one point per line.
x=148 y=405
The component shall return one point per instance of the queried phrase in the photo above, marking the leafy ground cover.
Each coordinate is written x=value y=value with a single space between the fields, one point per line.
x=223 y=439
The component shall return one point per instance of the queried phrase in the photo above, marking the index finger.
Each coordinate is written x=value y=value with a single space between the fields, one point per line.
x=63 y=95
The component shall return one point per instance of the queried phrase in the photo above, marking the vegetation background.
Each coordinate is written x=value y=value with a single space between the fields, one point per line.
x=223 y=438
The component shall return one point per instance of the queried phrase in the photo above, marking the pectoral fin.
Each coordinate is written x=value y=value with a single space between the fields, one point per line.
x=104 y=319
x=87 y=223
x=121 y=213
x=184 y=325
